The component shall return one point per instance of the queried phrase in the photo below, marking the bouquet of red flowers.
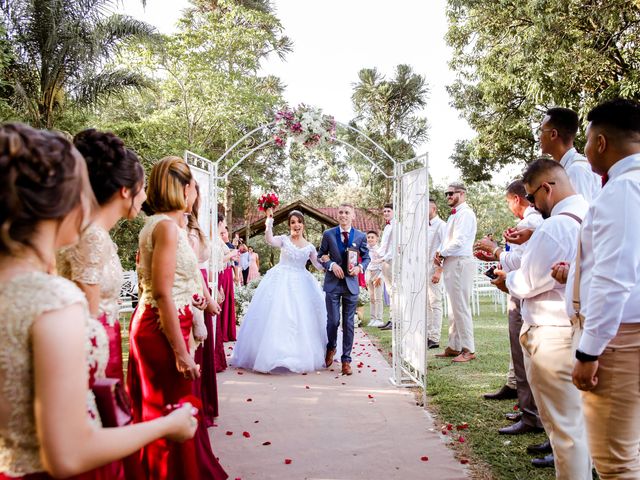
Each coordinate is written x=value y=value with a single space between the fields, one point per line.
x=268 y=200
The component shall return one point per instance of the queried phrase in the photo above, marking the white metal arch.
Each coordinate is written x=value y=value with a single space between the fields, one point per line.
x=410 y=246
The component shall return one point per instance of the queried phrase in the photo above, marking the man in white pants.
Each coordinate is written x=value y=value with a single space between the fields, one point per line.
x=386 y=255
x=436 y=232
x=455 y=256
x=373 y=278
x=547 y=337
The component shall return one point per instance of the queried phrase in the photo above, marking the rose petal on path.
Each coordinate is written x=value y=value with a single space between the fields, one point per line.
x=266 y=443
x=287 y=461
x=424 y=459
x=246 y=434
x=228 y=433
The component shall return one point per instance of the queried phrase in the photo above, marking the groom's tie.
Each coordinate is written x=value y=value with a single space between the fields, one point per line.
x=345 y=238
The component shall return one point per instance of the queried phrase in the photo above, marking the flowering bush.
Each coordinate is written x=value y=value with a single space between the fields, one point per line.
x=268 y=200
x=306 y=125
x=244 y=294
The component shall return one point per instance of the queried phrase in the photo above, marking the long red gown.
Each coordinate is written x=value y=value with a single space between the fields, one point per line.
x=228 y=314
x=205 y=357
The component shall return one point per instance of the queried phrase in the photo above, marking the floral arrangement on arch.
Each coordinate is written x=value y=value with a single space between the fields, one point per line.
x=305 y=125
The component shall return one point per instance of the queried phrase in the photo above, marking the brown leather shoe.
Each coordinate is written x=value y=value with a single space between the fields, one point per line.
x=464 y=357
x=448 y=352
x=346 y=368
x=328 y=359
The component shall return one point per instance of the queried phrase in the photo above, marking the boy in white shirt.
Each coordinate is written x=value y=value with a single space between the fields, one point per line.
x=373 y=277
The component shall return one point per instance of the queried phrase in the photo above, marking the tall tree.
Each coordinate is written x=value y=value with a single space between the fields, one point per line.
x=388 y=111
x=516 y=58
x=60 y=49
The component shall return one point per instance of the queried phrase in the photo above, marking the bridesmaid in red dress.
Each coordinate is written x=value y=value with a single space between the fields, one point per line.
x=50 y=346
x=225 y=271
x=207 y=387
x=161 y=368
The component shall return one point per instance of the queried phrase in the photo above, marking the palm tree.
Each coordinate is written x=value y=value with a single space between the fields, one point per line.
x=60 y=52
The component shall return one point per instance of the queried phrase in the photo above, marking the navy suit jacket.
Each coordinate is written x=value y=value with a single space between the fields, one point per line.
x=330 y=246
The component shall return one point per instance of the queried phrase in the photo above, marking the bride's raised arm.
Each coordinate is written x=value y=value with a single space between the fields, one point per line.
x=313 y=256
x=268 y=234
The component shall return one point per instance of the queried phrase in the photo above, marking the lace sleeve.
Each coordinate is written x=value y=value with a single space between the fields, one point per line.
x=87 y=259
x=268 y=234
x=313 y=256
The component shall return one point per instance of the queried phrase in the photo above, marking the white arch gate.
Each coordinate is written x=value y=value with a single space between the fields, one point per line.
x=410 y=245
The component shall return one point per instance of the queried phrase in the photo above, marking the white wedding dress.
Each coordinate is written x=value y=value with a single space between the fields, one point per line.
x=285 y=326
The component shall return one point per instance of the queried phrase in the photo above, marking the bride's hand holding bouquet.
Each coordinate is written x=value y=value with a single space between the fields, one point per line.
x=267 y=203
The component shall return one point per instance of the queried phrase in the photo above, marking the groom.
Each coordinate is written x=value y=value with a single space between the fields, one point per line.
x=341 y=283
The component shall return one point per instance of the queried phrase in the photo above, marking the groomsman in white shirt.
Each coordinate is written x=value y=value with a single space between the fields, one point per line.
x=436 y=232
x=608 y=355
x=528 y=217
x=556 y=134
x=455 y=255
x=548 y=338
x=373 y=279
x=385 y=251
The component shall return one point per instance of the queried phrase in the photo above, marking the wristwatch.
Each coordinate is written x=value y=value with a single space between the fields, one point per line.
x=585 y=357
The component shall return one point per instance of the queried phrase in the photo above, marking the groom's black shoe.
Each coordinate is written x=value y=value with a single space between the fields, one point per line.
x=328 y=359
x=346 y=368
x=386 y=326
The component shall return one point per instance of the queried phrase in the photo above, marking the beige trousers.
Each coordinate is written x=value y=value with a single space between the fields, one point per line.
x=612 y=409
x=549 y=356
x=434 y=292
x=375 y=295
x=458 y=280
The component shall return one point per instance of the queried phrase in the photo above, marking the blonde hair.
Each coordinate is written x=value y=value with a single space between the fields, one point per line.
x=165 y=190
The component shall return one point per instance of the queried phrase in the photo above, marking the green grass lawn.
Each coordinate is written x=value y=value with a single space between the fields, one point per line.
x=455 y=396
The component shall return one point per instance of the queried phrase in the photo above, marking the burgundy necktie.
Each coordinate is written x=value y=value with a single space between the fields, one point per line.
x=345 y=238
x=605 y=179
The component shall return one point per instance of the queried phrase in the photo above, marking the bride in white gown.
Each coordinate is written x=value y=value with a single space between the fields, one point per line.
x=285 y=326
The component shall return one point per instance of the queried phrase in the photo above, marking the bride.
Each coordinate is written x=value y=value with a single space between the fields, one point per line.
x=285 y=326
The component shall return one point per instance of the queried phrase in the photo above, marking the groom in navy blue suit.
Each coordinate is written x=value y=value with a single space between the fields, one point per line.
x=341 y=284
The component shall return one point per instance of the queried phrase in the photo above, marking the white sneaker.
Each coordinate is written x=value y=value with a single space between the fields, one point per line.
x=375 y=323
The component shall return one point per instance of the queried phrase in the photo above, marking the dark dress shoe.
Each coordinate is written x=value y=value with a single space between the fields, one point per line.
x=346 y=368
x=448 y=352
x=519 y=428
x=546 y=462
x=540 y=448
x=386 y=326
x=432 y=344
x=505 y=393
x=514 y=416
x=328 y=359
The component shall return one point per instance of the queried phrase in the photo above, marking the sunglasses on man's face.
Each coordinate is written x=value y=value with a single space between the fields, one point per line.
x=451 y=194
x=531 y=197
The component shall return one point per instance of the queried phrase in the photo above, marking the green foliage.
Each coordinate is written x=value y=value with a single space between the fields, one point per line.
x=515 y=59
x=59 y=53
x=387 y=111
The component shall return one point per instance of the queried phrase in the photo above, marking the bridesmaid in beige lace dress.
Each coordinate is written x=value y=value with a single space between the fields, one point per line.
x=117 y=180
x=49 y=347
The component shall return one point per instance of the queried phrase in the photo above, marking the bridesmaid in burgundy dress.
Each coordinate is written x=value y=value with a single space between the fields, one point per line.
x=51 y=348
x=207 y=386
x=226 y=321
x=161 y=368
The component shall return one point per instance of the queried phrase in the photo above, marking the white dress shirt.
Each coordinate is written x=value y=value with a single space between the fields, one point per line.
x=460 y=234
x=555 y=240
x=386 y=242
x=436 y=232
x=245 y=260
x=583 y=180
x=510 y=260
x=610 y=260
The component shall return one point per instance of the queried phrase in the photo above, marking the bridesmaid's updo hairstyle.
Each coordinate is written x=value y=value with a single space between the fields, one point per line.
x=165 y=190
x=111 y=165
x=42 y=177
x=297 y=214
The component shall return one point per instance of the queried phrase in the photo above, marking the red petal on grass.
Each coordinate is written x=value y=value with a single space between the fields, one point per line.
x=266 y=443
x=444 y=431
x=449 y=426
x=516 y=408
x=464 y=461
x=228 y=433
x=246 y=434
x=287 y=461
x=424 y=459
x=461 y=439
x=462 y=426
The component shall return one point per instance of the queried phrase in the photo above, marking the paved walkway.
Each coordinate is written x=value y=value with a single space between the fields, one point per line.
x=324 y=426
